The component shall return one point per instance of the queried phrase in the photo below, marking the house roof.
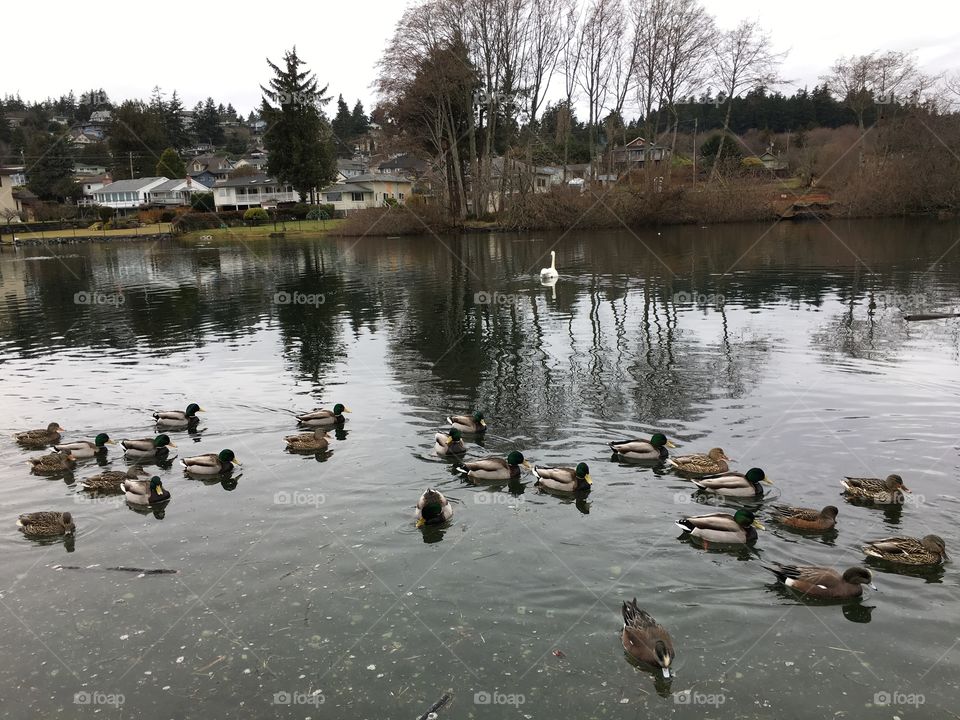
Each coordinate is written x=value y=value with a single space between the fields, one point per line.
x=246 y=181
x=23 y=194
x=89 y=179
x=129 y=185
x=213 y=163
x=346 y=187
x=379 y=177
x=405 y=162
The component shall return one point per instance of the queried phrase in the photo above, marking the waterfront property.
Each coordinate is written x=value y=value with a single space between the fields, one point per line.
x=127 y=194
x=10 y=207
x=248 y=191
x=367 y=191
x=176 y=192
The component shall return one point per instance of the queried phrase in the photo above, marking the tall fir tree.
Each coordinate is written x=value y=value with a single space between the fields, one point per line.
x=358 y=120
x=299 y=137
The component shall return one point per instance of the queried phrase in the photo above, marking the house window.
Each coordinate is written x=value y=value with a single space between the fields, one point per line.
x=334 y=197
x=400 y=195
x=541 y=182
x=356 y=197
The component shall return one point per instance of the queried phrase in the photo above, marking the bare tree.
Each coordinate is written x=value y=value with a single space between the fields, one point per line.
x=689 y=38
x=743 y=60
x=571 y=57
x=600 y=35
x=544 y=42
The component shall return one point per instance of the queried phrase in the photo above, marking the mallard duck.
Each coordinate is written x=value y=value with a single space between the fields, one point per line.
x=713 y=463
x=324 y=418
x=468 y=423
x=450 y=443
x=875 y=490
x=145 y=492
x=737 y=529
x=317 y=441
x=494 y=468
x=433 y=508
x=111 y=481
x=806 y=518
x=147 y=448
x=46 y=524
x=178 y=418
x=211 y=463
x=40 y=438
x=564 y=479
x=653 y=449
x=928 y=550
x=821 y=582
x=55 y=462
x=645 y=639
x=733 y=484
x=85 y=448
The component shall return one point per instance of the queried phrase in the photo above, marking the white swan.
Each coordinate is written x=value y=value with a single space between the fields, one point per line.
x=550 y=272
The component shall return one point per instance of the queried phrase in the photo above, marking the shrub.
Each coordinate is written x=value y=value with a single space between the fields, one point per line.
x=256 y=216
x=105 y=213
x=202 y=202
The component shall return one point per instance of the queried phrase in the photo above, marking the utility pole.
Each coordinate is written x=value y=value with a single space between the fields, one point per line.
x=130 y=153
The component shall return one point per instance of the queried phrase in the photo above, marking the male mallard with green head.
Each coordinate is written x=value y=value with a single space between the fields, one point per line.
x=35 y=439
x=324 y=418
x=211 y=463
x=712 y=463
x=644 y=639
x=564 y=479
x=55 y=462
x=737 y=529
x=85 y=448
x=449 y=443
x=317 y=441
x=806 y=518
x=494 y=468
x=175 y=419
x=145 y=492
x=653 y=449
x=880 y=492
x=928 y=550
x=46 y=524
x=733 y=484
x=111 y=481
x=158 y=447
x=821 y=582
x=433 y=508
x=468 y=423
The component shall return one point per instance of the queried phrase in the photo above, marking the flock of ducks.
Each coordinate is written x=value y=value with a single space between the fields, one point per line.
x=137 y=486
x=643 y=638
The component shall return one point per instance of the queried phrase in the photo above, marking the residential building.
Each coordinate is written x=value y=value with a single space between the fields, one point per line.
x=127 y=194
x=101 y=117
x=82 y=170
x=773 y=162
x=17 y=174
x=259 y=163
x=366 y=191
x=90 y=185
x=261 y=190
x=9 y=205
x=347 y=169
x=208 y=169
x=406 y=165
x=638 y=153
x=175 y=192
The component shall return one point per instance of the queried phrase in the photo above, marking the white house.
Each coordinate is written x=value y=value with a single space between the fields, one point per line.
x=82 y=170
x=258 y=163
x=366 y=191
x=101 y=117
x=240 y=193
x=90 y=185
x=127 y=194
x=176 y=192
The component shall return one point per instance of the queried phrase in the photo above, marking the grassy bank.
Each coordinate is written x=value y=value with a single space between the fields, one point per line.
x=79 y=233
x=293 y=228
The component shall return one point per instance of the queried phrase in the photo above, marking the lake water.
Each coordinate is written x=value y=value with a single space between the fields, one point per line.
x=304 y=589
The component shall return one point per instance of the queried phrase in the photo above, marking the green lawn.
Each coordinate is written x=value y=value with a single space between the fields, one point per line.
x=290 y=229
x=84 y=232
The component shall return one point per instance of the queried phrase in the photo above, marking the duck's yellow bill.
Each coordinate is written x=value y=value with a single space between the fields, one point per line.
x=236 y=462
x=483 y=423
x=111 y=442
x=670 y=444
x=421 y=522
x=347 y=410
x=171 y=444
x=758 y=525
x=588 y=479
x=767 y=480
x=200 y=410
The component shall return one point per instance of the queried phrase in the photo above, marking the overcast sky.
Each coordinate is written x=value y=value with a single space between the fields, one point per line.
x=218 y=49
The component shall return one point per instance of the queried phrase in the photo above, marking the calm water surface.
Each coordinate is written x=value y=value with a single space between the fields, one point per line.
x=302 y=580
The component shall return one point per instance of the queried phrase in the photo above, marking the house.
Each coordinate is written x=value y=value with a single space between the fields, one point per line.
x=101 y=117
x=406 y=165
x=17 y=174
x=366 y=191
x=127 y=194
x=207 y=169
x=90 y=185
x=771 y=161
x=258 y=163
x=513 y=177
x=10 y=207
x=175 y=192
x=27 y=202
x=15 y=118
x=83 y=170
x=638 y=152
x=347 y=169
x=261 y=190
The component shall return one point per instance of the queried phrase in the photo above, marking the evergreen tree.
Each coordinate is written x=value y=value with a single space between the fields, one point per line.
x=170 y=165
x=342 y=126
x=51 y=172
x=177 y=135
x=358 y=120
x=206 y=123
x=299 y=139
